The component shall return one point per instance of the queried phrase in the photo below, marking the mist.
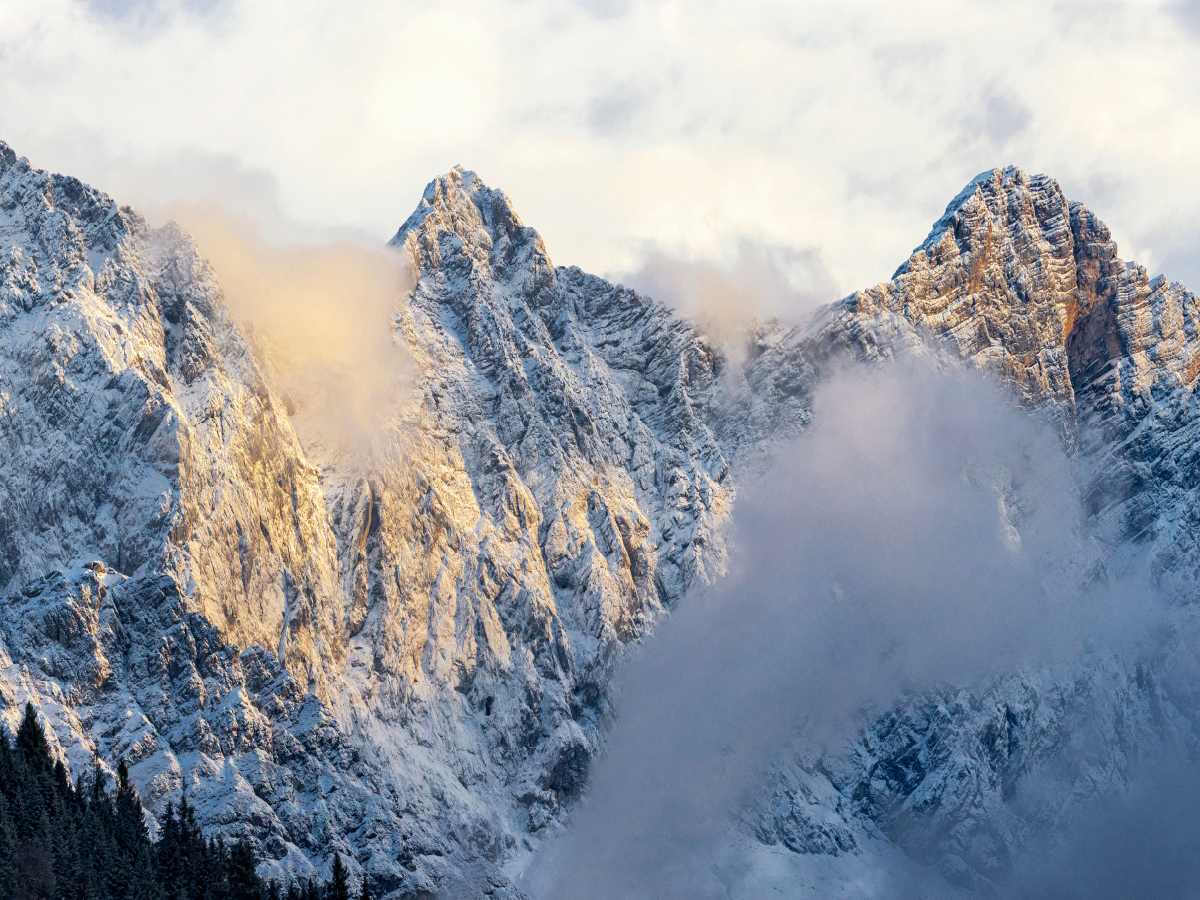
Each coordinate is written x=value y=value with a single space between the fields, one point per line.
x=723 y=297
x=924 y=532
x=1142 y=842
x=320 y=313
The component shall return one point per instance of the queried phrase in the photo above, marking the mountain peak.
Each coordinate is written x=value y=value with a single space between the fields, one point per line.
x=407 y=658
x=1002 y=278
x=460 y=195
x=1008 y=193
x=481 y=220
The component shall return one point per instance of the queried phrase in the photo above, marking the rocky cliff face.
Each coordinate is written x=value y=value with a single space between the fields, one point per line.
x=1017 y=280
x=404 y=653
x=429 y=626
x=138 y=430
x=1020 y=281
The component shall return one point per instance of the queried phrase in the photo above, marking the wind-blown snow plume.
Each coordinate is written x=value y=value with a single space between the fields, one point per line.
x=923 y=532
x=322 y=314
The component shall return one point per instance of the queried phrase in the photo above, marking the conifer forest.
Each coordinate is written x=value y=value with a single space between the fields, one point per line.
x=88 y=839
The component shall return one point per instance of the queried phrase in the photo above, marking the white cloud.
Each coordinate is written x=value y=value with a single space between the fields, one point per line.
x=923 y=532
x=842 y=128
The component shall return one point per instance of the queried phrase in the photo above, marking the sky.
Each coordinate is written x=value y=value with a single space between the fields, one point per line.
x=824 y=136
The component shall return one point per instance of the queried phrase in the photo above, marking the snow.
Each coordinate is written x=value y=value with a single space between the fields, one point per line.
x=406 y=656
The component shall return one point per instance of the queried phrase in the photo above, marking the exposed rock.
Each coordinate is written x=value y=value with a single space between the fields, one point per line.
x=1017 y=280
x=431 y=624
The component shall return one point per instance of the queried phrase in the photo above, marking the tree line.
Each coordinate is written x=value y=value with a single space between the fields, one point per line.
x=89 y=841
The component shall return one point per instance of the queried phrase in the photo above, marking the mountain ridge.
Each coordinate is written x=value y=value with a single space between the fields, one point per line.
x=430 y=638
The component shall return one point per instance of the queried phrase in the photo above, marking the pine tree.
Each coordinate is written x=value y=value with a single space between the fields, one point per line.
x=365 y=893
x=64 y=840
x=34 y=872
x=8 y=850
x=86 y=841
x=31 y=741
x=339 y=881
x=130 y=821
x=216 y=868
x=144 y=884
x=197 y=854
x=94 y=840
x=167 y=855
x=68 y=874
x=244 y=883
x=29 y=805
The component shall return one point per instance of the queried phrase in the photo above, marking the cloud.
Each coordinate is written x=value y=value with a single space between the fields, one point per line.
x=1188 y=12
x=759 y=281
x=1142 y=842
x=150 y=12
x=317 y=303
x=1004 y=118
x=321 y=315
x=605 y=9
x=616 y=115
x=836 y=126
x=161 y=183
x=924 y=532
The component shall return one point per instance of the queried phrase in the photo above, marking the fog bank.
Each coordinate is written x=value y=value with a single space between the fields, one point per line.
x=923 y=532
x=760 y=281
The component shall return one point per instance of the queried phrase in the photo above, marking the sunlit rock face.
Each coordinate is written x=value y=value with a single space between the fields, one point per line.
x=995 y=280
x=430 y=623
x=403 y=651
x=1017 y=280
x=555 y=483
x=1021 y=282
x=138 y=430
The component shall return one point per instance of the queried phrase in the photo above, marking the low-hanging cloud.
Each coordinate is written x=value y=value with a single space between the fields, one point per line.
x=317 y=303
x=924 y=532
x=321 y=315
x=1139 y=842
x=1142 y=842
x=759 y=281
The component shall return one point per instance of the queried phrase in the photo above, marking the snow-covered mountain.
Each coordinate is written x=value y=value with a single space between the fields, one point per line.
x=1017 y=280
x=405 y=654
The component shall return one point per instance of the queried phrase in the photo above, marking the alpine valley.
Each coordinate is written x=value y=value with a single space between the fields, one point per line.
x=405 y=654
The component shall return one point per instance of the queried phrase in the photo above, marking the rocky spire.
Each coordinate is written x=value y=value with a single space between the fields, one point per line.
x=477 y=224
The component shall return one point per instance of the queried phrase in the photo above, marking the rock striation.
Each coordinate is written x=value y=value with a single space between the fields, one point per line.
x=1019 y=281
x=429 y=627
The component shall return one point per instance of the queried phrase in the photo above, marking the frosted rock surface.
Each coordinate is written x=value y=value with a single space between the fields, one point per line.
x=430 y=626
x=1017 y=280
x=404 y=654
